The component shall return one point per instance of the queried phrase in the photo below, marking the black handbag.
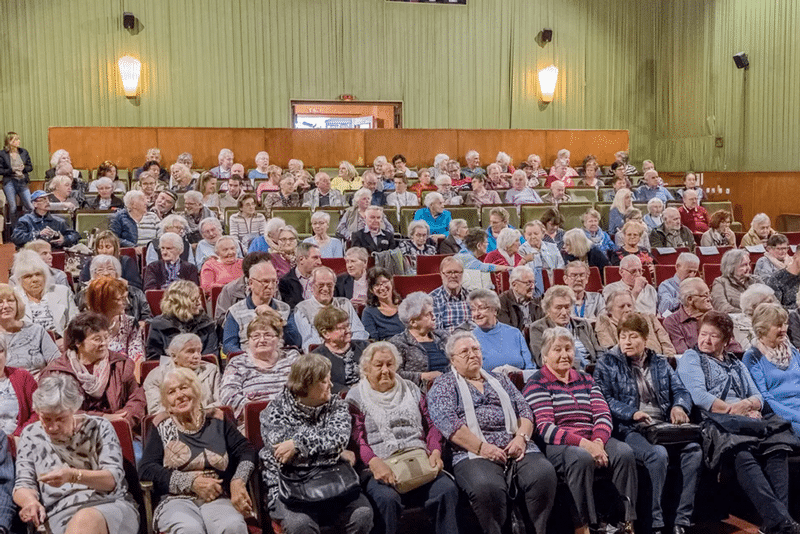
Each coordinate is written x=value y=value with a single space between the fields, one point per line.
x=669 y=434
x=300 y=486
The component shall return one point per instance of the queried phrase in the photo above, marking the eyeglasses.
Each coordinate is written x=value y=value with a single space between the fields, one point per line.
x=271 y=282
x=257 y=336
x=466 y=353
x=577 y=276
x=479 y=308
x=287 y=239
x=452 y=274
x=634 y=271
x=381 y=283
x=524 y=282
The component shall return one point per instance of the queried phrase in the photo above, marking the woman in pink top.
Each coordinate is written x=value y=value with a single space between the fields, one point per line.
x=224 y=267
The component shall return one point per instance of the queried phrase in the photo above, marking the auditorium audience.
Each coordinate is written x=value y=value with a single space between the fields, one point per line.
x=28 y=345
x=401 y=197
x=380 y=317
x=760 y=230
x=498 y=220
x=538 y=253
x=619 y=304
x=721 y=384
x=751 y=298
x=283 y=256
x=223 y=170
x=329 y=247
x=354 y=217
x=246 y=224
x=174 y=224
x=182 y=311
x=557 y=304
x=390 y=415
x=207 y=185
x=487 y=422
x=574 y=421
x=776 y=258
x=181 y=179
x=105 y=199
x=352 y=284
x=194 y=211
x=231 y=197
x=727 y=288
x=105 y=265
x=642 y=389
x=445 y=187
x=434 y=215
x=719 y=233
x=183 y=352
x=686 y=266
x=690 y=183
x=655 y=212
x=450 y=307
x=589 y=305
x=786 y=283
x=635 y=215
x=170 y=268
x=651 y=188
x=125 y=222
x=579 y=247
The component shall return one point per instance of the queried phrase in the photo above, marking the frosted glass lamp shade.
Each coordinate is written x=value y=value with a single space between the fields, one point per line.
x=547 y=82
x=130 y=68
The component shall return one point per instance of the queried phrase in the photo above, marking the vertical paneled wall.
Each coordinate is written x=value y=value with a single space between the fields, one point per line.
x=660 y=69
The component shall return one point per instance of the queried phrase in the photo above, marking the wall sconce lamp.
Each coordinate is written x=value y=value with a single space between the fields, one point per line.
x=130 y=68
x=547 y=82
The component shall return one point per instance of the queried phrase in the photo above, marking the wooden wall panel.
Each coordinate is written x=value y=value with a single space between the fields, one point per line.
x=602 y=143
x=248 y=143
x=203 y=144
x=89 y=147
x=772 y=193
x=418 y=146
x=518 y=144
x=317 y=148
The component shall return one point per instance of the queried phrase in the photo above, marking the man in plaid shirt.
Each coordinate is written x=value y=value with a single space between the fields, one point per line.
x=450 y=307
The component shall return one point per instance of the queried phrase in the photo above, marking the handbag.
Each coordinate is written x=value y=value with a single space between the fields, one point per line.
x=313 y=485
x=669 y=434
x=411 y=469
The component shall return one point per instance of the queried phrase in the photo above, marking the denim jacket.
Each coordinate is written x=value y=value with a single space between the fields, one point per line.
x=615 y=378
x=123 y=225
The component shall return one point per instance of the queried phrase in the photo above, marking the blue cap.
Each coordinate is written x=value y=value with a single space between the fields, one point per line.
x=37 y=194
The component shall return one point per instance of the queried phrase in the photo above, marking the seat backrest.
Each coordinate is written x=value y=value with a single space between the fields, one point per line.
x=299 y=218
x=793 y=237
x=338 y=265
x=59 y=259
x=664 y=272
x=146 y=367
x=712 y=258
x=215 y=291
x=125 y=436
x=469 y=213
x=430 y=264
x=252 y=423
x=87 y=221
x=612 y=274
x=405 y=285
x=711 y=271
x=513 y=216
x=572 y=214
x=154 y=297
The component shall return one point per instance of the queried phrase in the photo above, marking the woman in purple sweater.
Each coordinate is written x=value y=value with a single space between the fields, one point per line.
x=574 y=420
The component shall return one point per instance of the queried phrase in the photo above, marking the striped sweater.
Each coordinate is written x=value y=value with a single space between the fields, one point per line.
x=567 y=413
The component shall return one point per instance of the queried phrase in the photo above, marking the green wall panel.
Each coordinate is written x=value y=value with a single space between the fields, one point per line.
x=659 y=68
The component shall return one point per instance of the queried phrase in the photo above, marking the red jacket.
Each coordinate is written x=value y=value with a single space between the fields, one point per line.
x=24 y=385
x=123 y=392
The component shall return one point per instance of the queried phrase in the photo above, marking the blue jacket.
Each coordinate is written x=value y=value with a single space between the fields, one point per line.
x=779 y=387
x=125 y=228
x=31 y=224
x=438 y=225
x=614 y=377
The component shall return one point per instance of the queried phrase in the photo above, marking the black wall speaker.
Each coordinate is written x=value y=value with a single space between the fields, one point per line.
x=128 y=21
x=547 y=35
x=741 y=60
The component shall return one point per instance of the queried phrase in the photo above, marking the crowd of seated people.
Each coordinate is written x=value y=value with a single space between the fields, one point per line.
x=520 y=369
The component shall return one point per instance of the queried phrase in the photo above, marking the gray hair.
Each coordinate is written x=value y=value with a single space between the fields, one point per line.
x=321 y=216
x=507 y=237
x=454 y=338
x=579 y=244
x=493 y=165
x=687 y=258
x=443 y=179
x=557 y=292
x=754 y=295
x=551 y=335
x=225 y=152
x=688 y=289
x=274 y=224
x=517 y=273
x=104 y=259
x=173 y=220
x=29 y=262
x=186 y=156
x=322 y=269
x=471 y=153
x=486 y=296
x=130 y=196
x=196 y=195
x=563 y=153
x=631 y=260
x=359 y=252
x=180 y=341
x=104 y=180
x=361 y=193
x=210 y=220
x=172 y=239
x=374 y=208
x=413 y=225
x=223 y=239
x=288 y=228
x=760 y=218
x=413 y=306
x=381 y=346
x=432 y=197
x=655 y=200
x=57 y=393
x=766 y=315
x=437 y=160
x=455 y=224
x=57 y=156
x=505 y=158
x=614 y=294
x=731 y=260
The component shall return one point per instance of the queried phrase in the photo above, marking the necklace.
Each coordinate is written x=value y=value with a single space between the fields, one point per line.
x=193 y=425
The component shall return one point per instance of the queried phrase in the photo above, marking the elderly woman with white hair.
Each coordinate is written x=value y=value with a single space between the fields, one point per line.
x=210 y=230
x=268 y=240
x=655 y=210
x=435 y=216
x=444 y=186
x=185 y=351
x=774 y=362
x=353 y=218
x=107 y=265
x=125 y=223
x=421 y=345
x=598 y=236
x=480 y=195
x=557 y=305
x=223 y=267
x=507 y=251
x=329 y=247
x=752 y=298
x=488 y=422
x=69 y=471
x=495 y=178
x=390 y=418
x=520 y=193
x=504 y=160
x=454 y=242
x=503 y=346
x=105 y=199
x=62 y=197
x=29 y=346
x=727 y=289
x=420 y=243
x=160 y=274
x=578 y=246
x=175 y=224
x=181 y=179
x=195 y=212
x=439 y=165
x=760 y=231
x=46 y=303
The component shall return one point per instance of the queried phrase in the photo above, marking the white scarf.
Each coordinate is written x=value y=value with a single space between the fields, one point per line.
x=469 y=407
x=505 y=255
x=400 y=403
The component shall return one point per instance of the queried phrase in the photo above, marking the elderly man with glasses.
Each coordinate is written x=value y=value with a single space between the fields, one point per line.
x=519 y=307
x=262 y=283
x=633 y=279
x=450 y=306
x=588 y=305
x=672 y=233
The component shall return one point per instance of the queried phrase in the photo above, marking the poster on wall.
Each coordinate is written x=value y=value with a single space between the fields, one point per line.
x=449 y=2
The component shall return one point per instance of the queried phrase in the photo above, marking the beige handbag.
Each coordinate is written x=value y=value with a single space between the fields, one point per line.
x=411 y=469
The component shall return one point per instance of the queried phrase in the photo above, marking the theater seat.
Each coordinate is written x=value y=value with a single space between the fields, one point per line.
x=405 y=285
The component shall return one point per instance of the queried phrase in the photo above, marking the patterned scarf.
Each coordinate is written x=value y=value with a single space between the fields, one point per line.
x=94 y=384
x=471 y=418
x=780 y=356
x=395 y=413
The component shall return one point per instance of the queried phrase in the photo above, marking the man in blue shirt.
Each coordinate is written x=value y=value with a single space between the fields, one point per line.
x=434 y=214
x=651 y=189
x=40 y=224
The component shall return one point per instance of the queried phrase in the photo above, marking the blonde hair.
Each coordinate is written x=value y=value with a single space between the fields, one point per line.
x=180 y=300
